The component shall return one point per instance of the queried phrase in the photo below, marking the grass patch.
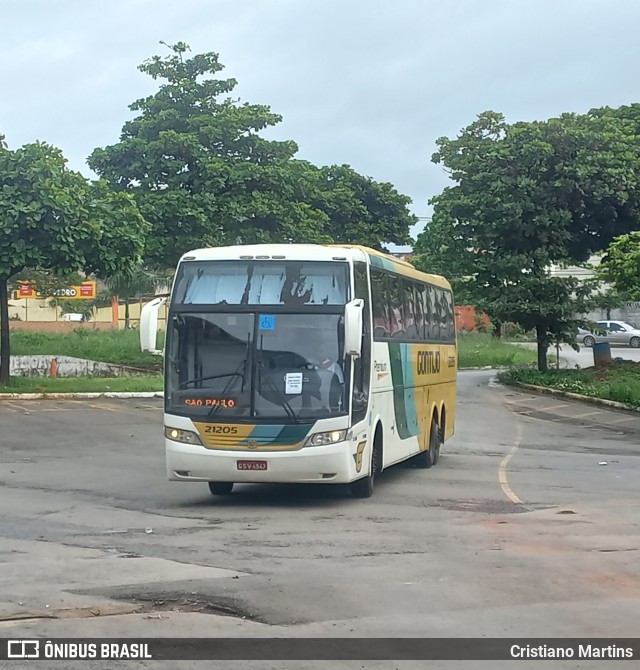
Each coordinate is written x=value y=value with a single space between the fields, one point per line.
x=618 y=382
x=482 y=350
x=121 y=347
x=82 y=384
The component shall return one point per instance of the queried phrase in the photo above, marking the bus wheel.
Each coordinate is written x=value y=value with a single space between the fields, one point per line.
x=220 y=488
x=426 y=459
x=435 y=442
x=363 y=488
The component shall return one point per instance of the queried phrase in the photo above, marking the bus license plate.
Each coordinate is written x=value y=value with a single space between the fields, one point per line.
x=252 y=465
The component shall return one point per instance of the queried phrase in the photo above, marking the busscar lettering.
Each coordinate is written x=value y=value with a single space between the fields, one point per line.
x=428 y=362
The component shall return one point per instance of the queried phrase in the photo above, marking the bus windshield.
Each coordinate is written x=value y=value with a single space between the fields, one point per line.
x=255 y=365
x=261 y=283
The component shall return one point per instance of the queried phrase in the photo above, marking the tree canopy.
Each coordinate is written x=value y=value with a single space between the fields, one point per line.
x=528 y=195
x=620 y=267
x=53 y=219
x=203 y=175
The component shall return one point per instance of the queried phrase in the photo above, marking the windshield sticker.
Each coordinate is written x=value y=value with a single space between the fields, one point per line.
x=293 y=383
x=267 y=322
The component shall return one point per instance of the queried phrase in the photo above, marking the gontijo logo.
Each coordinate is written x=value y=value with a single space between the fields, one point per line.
x=428 y=362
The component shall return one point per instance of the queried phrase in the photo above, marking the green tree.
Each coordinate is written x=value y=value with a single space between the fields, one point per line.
x=54 y=219
x=441 y=249
x=127 y=285
x=203 y=176
x=529 y=195
x=620 y=267
x=358 y=209
x=201 y=173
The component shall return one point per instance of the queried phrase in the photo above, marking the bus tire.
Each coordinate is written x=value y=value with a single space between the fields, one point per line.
x=428 y=458
x=363 y=488
x=220 y=488
x=436 y=440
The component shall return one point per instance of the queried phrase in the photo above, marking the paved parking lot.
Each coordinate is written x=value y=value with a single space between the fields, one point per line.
x=573 y=412
x=520 y=530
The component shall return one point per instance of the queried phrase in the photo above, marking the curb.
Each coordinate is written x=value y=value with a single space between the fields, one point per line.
x=575 y=396
x=80 y=396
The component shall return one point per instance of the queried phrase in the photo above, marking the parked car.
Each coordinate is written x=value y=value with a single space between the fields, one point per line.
x=617 y=333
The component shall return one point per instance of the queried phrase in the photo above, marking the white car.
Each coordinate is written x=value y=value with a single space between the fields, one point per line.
x=617 y=333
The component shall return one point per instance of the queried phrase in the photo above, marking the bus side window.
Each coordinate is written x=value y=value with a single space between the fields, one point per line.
x=451 y=330
x=362 y=364
x=419 y=311
x=379 y=305
x=430 y=330
x=395 y=300
x=438 y=315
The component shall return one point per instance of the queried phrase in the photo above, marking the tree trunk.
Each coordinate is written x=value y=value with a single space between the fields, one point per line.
x=4 y=332
x=543 y=346
x=608 y=313
x=126 y=313
x=497 y=330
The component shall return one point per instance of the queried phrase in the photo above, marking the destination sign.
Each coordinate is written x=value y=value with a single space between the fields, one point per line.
x=210 y=402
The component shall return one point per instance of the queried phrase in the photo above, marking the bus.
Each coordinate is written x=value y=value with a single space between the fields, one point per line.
x=289 y=363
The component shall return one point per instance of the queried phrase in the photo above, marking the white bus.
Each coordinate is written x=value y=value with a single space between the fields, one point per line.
x=303 y=364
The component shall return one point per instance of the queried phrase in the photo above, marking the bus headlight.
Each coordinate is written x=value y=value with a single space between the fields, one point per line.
x=330 y=437
x=184 y=436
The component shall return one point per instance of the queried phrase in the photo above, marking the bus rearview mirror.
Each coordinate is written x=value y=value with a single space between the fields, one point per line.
x=353 y=327
x=149 y=326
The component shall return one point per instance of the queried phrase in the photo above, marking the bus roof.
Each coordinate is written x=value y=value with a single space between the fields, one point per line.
x=315 y=252
x=392 y=264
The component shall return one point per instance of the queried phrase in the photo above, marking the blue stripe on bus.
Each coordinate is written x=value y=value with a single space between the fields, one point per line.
x=409 y=390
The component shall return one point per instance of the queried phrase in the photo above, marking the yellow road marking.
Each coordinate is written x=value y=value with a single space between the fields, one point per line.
x=564 y=404
x=502 y=468
x=626 y=418
x=581 y=416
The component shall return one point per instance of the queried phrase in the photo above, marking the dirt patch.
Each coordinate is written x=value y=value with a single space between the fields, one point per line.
x=148 y=603
x=480 y=506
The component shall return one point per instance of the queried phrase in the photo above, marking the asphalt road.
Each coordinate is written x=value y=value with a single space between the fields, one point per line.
x=528 y=526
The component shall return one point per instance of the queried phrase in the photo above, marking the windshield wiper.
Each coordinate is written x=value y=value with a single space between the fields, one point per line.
x=284 y=403
x=234 y=378
x=230 y=384
x=202 y=379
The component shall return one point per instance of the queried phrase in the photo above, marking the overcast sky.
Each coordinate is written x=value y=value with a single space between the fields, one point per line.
x=370 y=83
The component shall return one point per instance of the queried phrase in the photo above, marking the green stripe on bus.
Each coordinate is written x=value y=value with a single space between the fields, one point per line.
x=399 y=403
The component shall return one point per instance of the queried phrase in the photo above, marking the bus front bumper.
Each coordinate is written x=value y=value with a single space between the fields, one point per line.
x=331 y=464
